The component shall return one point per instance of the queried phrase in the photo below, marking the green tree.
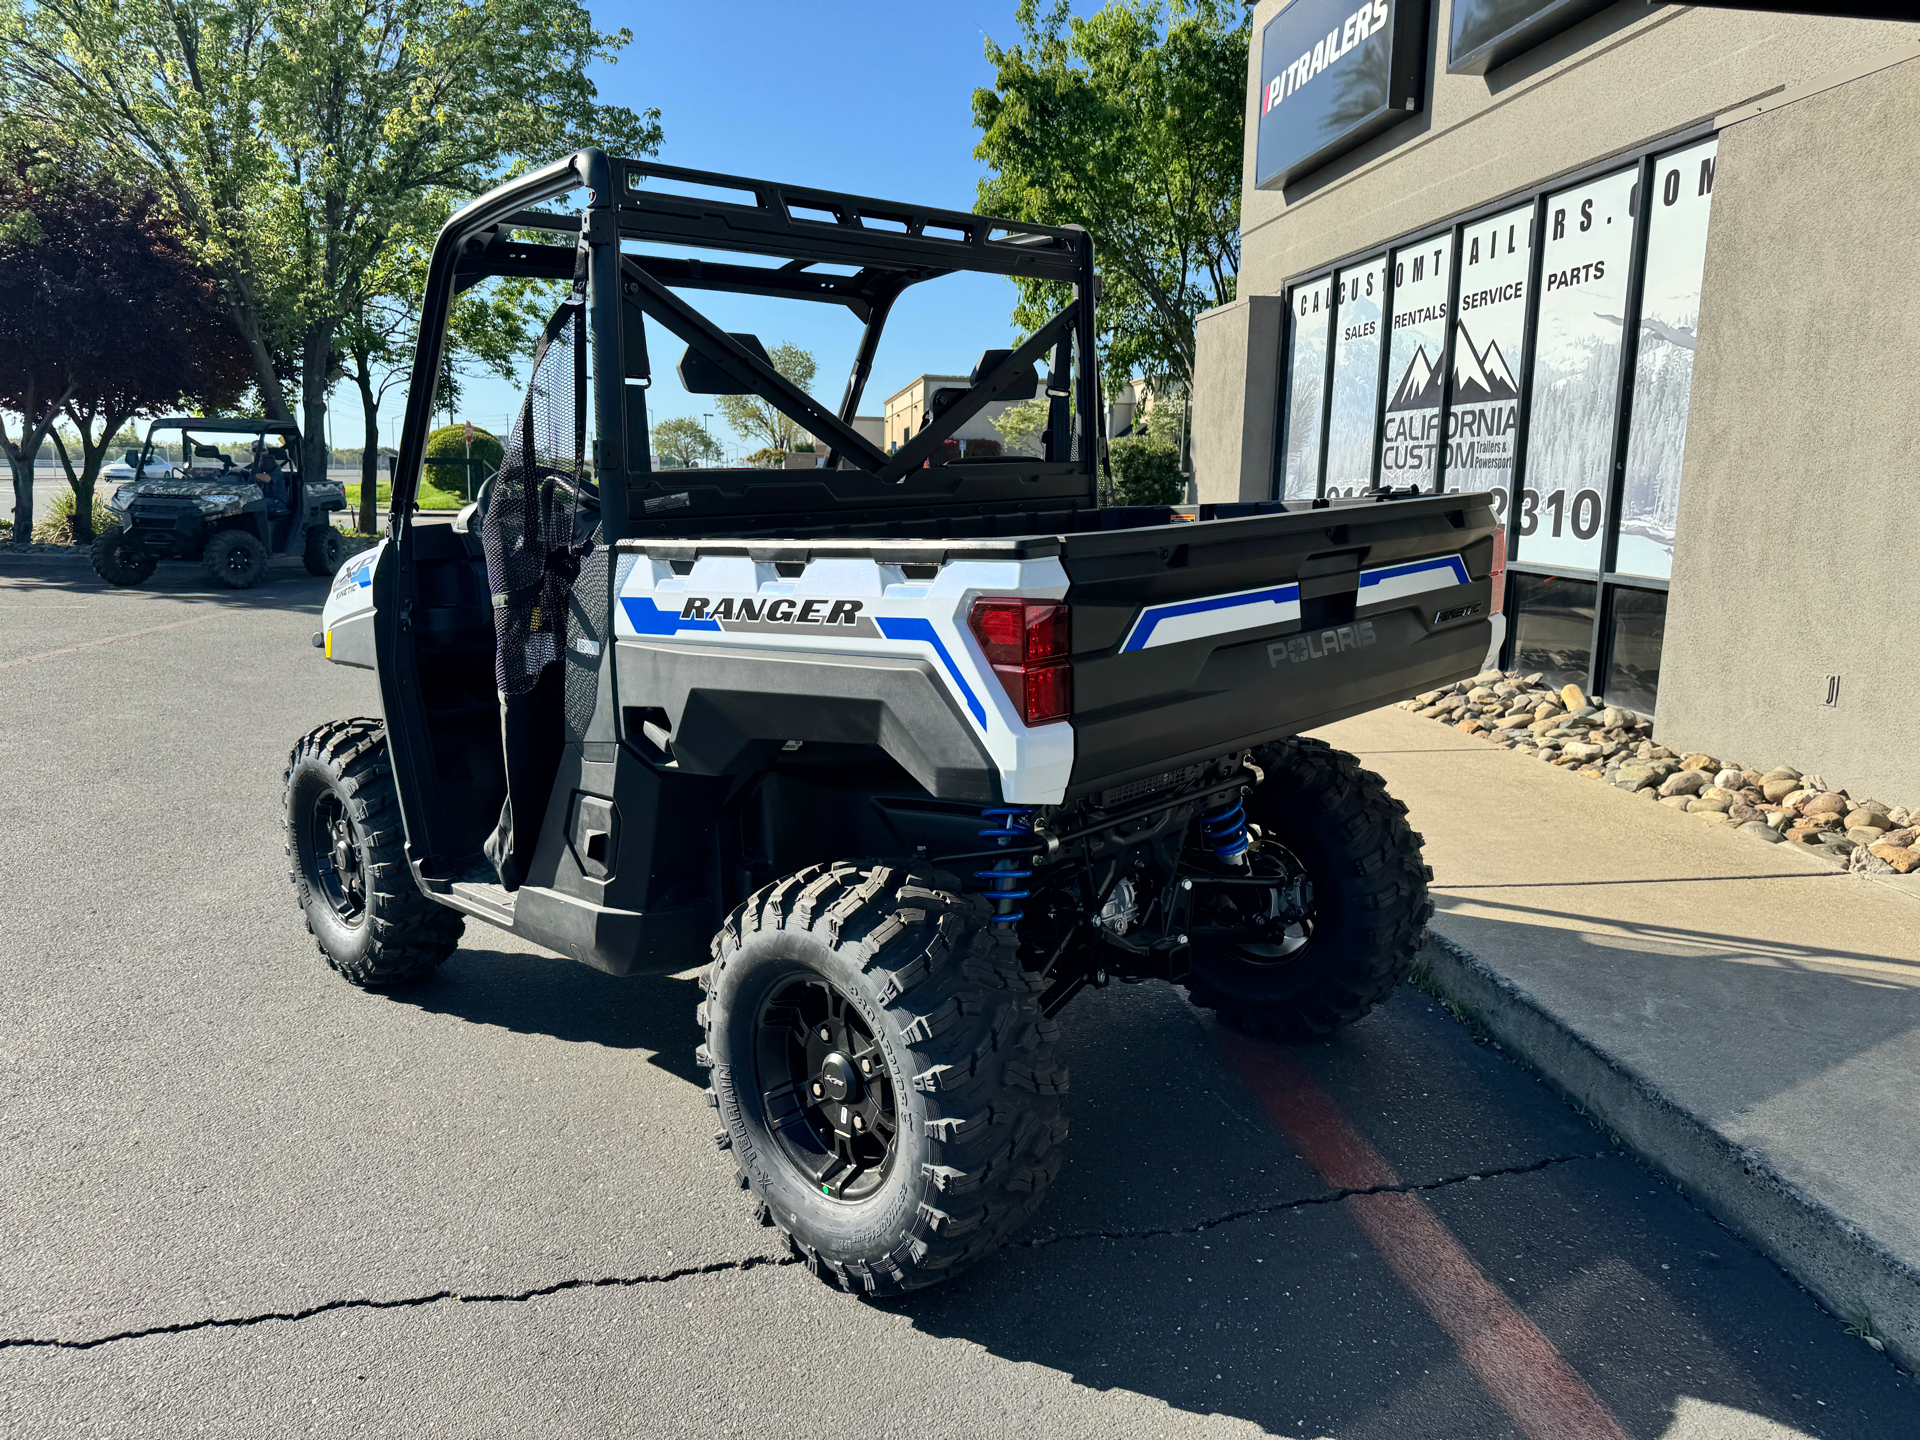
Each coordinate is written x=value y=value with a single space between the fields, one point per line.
x=299 y=139
x=1129 y=123
x=755 y=419
x=1021 y=425
x=103 y=315
x=682 y=443
x=1145 y=471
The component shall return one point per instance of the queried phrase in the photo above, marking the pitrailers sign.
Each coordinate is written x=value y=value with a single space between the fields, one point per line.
x=1333 y=74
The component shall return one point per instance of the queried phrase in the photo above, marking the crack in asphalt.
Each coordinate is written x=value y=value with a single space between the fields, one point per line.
x=713 y=1268
x=366 y=1303
x=1325 y=1198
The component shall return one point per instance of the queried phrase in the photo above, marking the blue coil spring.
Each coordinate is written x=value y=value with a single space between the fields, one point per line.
x=1006 y=825
x=1225 y=829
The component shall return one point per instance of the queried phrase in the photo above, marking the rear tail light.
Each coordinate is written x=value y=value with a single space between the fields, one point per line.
x=1027 y=643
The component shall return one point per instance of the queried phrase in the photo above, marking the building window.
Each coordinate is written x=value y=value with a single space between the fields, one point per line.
x=1664 y=360
x=1636 y=620
x=1309 y=309
x=1576 y=390
x=1546 y=347
x=1357 y=378
x=1490 y=327
x=1553 y=627
x=1416 y=364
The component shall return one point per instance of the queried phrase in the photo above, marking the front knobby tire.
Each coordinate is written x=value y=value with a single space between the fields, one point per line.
x=322 y=551
x=236 y=559
x=1368 y=905
x=118 y=559
x=888 y=986
x=345 y=855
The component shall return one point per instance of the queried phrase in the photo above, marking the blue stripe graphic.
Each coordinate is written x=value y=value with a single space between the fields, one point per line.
x=649 y=619
x=1415 y=567
x=1154 y=615
x=896 y=627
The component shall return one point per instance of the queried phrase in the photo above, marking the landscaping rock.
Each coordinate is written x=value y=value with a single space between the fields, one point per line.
x=1900 y=858
x=1569 y=730
x=1638 y=773
x=1682 y=783
x=1865 y=862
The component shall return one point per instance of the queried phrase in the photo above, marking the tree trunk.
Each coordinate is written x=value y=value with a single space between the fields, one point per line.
x=369 y=448
x=314 y=354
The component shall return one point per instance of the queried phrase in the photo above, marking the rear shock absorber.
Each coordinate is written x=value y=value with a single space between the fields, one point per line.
x=1225 y=829
x=1006 y=825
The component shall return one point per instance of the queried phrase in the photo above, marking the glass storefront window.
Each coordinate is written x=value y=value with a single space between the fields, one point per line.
x=1416 y=363
x=1577 y=372
x=1310 y=307
x=1553 y=626
x=1664 y=360
x=1636 y=621
x=1489 y=329
x=1357 y=377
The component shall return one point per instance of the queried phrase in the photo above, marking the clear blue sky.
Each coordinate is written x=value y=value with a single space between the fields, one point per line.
x=870 y=98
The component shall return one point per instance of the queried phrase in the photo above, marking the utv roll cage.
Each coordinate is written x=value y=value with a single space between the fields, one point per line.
x=877 y=248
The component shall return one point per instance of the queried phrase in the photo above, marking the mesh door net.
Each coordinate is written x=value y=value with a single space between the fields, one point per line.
x=529 y=532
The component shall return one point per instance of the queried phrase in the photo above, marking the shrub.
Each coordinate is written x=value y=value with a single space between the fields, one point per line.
x=450 y=443
x=1146 y=471
x=56 y=526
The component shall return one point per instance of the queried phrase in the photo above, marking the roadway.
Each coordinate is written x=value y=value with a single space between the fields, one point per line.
x=242 y=1197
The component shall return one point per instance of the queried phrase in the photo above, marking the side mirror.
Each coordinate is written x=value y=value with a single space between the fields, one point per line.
x=132 y=458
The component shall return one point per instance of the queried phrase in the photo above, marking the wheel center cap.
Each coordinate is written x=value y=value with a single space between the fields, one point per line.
x=839 y=1081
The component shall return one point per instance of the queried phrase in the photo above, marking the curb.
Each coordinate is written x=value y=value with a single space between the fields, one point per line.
x=1855 y=1277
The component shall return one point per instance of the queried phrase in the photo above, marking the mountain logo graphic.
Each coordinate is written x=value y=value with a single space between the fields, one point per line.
x=1480 y=375
x=1420 y=387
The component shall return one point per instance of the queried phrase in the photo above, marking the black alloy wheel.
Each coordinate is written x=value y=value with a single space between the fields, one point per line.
x=823 y=1080
x=1329 y=914
x=340 y=867
x=1260 y=914
x=235 y=559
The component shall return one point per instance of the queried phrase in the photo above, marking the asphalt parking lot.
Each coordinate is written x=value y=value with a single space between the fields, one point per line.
x=241 y=1197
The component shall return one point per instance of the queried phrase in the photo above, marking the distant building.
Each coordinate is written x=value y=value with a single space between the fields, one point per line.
x=906 y=407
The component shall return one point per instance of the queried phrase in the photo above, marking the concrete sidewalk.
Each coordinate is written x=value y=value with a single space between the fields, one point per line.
x=1742 y=1016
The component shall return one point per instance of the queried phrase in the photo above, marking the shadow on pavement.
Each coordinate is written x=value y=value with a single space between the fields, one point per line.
x=550 y=996
x=1192 y=1258
x=286 y=586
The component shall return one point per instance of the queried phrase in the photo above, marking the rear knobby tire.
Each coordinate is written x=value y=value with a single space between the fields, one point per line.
x=322 y=550
x=349 y=869
x=236 y=559
x=975 y=1081
x=118 y=560
x=1371 y=905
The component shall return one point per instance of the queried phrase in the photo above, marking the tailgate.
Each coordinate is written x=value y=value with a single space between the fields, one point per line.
x=1195 y=639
